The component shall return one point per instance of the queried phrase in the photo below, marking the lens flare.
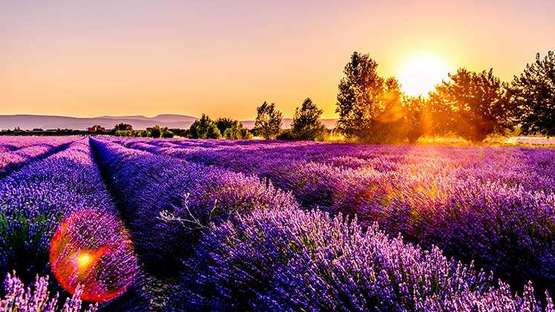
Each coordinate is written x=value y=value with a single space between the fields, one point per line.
x=94 y=250
x=84 y=261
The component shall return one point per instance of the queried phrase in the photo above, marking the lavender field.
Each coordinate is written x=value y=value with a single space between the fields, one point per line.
x=121 y=224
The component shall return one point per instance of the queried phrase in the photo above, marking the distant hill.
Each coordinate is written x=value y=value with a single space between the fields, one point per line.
x=29 y=122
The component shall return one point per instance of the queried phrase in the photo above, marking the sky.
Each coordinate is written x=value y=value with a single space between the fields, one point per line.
x=223 y=57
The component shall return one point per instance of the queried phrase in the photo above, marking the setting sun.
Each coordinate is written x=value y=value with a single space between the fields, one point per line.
x=420 y=73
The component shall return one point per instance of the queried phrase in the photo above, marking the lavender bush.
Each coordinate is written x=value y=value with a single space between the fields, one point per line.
x=292 y=260
x=474 y=203
x=215 y=213
x=169 y=202
x=14 y=153
x=38 y=298
x=37 y=198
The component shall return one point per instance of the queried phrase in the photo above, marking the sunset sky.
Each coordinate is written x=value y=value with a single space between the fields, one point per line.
x=131 y=57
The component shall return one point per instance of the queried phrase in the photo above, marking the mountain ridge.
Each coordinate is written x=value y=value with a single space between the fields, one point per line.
x=32 y=121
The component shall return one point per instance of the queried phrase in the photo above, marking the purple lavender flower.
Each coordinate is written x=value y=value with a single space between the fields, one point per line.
x=291 y=260
x=493 y=206
x=38 y=298
x=169 y=202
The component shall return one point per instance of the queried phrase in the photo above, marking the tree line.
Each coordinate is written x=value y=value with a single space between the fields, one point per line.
x=469 y=104
x=306 y=125
x=373 y=109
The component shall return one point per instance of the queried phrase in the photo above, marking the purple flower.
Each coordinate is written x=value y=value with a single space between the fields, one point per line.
x=38 y=298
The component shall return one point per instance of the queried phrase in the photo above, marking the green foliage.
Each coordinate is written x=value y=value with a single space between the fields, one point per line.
x=226 y=123
x=533 y=95
x=268 y=120
x=128 y=133
x=306 y=122
x=157 y=132
x=20 y=240
x=123 y=127
x=166 y=133
x=232 y=129
x=370 y=107
x=417 y=117
x=154 y=132
x=204 y=128
x=287 y=135
x=472 y=104
x=359 y=96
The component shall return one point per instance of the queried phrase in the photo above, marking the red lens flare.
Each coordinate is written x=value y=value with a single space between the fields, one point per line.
x=93 y=249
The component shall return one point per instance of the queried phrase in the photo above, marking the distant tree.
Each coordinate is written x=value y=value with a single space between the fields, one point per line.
x=268 y=120
x=154 y=132
x=225 y=123
x=475 y=104
x=166 y=133
x=359 y=100
x=237 y=133
x=533 y=94
x=180 y=132
x=232 y=129
x=306 y=121
x=246 y=134
x=204 y=128
x=123 y=127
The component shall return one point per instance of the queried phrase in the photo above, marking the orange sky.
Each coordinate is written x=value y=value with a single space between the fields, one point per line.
x=85 y=58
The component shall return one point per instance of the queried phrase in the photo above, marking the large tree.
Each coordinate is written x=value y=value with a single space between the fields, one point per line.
x=268 y=120
x=359 y=100
x=306 y=121
x=473 y=104
x=533 y=93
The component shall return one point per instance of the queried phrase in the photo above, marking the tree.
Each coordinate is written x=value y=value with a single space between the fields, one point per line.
x=232 y=129
x=476 y=103
x=154 y=132
x=306 y=121
x=123 y=127
x=359 y=99
x=389 y=125
x=417 y=117
x=204 y=128
x=268 y=120
x=166 y=133
x=225 y=123
x=533 y=95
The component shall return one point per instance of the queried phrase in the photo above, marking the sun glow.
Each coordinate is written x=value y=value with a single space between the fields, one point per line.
x=421 y=73
x=84 y=260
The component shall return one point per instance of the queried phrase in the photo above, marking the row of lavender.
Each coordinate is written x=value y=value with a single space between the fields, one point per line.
x=494 y=206
x=34 y=201
x=238 y=243
x=16 y=151
x=499 y=164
